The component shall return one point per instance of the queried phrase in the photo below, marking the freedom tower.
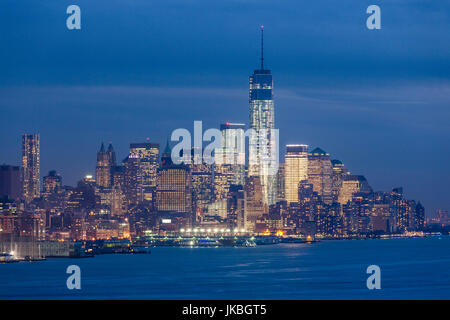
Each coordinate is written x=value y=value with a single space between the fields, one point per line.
x=263 y=143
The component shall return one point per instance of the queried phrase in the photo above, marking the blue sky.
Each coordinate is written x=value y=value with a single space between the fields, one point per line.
x=377 y=100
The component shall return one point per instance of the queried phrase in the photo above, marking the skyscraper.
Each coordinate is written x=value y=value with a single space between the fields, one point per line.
x=263 y=143
x=442 y=216
x=148 y=155
x=174 y=186
x=320 y=174
x=229 y=160
x=339 y=171
x=232 y=151
x=295 y=170
x=52 y=182
x=202 y=185
x=353 y=184
x=253 y=202
x=10 y=182
x=31 y=166
x=141 y=167
x=103 y=168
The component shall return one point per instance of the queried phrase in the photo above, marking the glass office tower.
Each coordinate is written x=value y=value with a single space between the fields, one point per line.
x=263 y=143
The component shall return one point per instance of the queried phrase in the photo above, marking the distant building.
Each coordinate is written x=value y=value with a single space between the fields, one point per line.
x=51 y=183
x=31 y=166
x=419 y=218
x=140 y=174
x=352 y=184
x=236 y=207
x=229 y=160
x=10 y=182
x=173 y=186
x=320 y=174
x=339 y=171
x=295 y=170
x=232 y=151
x=148 y=155
x=281 y=196
x=442 y=216
x=103 y=168
x=405 y=211
x=262 y=121
x=253 y=201
x=106 y=162
x=202 y=184
x=381 y=218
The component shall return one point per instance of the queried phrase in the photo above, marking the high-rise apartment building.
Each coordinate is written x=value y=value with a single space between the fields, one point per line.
x=295 y=170
x=31 y=166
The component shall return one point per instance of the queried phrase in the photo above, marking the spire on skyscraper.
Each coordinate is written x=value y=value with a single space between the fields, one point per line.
x=111 y=155
x=102 y=148
x=110 y=147
x=262 y=47
x=166 y=157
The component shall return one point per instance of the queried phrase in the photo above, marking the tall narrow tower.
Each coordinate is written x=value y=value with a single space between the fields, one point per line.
x=103 y=169
x=296 y=169
x=262 y=121
x=30 y=163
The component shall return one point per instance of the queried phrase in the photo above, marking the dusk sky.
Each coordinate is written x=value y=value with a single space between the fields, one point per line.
x=378 y=100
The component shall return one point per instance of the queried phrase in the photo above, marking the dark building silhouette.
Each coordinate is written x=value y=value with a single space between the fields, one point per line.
x=10 y=182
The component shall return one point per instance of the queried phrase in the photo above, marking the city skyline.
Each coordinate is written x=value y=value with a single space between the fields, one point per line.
x=251 y=152
x=388 y=123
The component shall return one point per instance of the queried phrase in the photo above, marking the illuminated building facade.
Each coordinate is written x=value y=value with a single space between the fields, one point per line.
x=262 y=144
x=140 y=172
x=320 y=174
x=31 y=166
x=202 y=184
x=173 y=186
x=352 y=184
x=51 y=183
x=106 y=161
x=232 y=151
x=148 y=164
x=253 y=202
x=443 y=216
x=339 y=171
x=381 y=218
x=296 y=170
x=281 y=187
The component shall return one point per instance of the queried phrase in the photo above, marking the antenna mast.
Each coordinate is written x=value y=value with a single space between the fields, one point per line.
x=262 y=47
